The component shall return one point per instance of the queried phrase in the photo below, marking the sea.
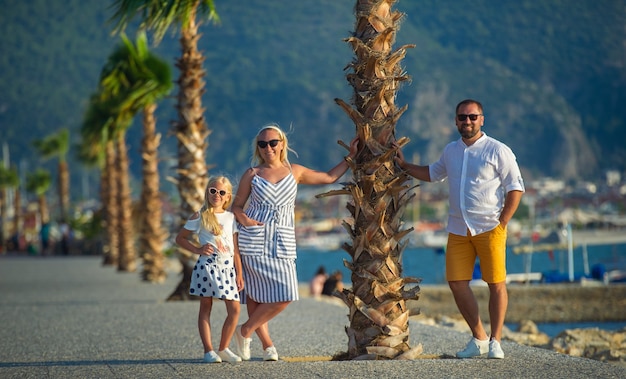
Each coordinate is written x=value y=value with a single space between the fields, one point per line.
x=429 y=265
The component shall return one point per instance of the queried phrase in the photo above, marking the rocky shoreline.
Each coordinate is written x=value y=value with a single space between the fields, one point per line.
x=592 y=343
x=537 y=302
x=529 y=304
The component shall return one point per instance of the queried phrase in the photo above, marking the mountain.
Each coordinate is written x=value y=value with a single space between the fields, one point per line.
x=551 y=76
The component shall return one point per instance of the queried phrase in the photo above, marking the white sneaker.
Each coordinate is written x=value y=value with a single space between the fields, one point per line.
x=495 y=350
x=243 y=344
x=474 y=348
x=211 y=357
x=270 y=354
x=228 y=356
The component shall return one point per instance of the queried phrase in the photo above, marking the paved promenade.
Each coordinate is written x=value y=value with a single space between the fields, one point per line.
x=69 y=317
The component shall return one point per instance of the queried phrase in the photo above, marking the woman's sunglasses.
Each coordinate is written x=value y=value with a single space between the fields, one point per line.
x=463 y=117
x=214 y=190
x=263 y=144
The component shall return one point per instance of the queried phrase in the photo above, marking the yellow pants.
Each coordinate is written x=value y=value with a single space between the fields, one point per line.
x=489 y=247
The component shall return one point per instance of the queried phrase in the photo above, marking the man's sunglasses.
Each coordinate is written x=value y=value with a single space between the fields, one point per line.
x=214 y=190
x=463 y=117
x=263 y=144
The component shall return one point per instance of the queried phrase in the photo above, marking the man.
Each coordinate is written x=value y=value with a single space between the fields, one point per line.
x=485 y=190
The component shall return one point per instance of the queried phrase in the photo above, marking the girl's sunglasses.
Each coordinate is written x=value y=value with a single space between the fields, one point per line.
x=263 y=144
x=214 y=190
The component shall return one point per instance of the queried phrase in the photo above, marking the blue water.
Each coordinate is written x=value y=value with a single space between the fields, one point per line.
x=429 y=265
x=552 y=329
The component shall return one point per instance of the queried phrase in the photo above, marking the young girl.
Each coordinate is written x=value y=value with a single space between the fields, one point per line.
x=217 y=272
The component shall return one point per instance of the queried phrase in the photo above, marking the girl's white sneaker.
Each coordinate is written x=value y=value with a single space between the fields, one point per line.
x=212 y=357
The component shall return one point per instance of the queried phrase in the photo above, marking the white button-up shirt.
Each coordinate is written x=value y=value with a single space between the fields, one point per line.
x=479 y=177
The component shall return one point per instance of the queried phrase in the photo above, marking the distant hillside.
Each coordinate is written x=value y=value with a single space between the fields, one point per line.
x=551 y=75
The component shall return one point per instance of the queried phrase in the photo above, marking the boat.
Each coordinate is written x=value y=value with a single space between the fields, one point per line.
x=321 y=237
x=566 y=239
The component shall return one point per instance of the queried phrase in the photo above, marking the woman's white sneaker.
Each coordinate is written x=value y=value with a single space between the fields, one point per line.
x=270 y=354
x=495 y=350
x=243 y=344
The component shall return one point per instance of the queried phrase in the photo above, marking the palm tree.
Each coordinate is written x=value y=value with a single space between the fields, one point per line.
x=106 y=122
x=131 y=81
x=38 y=182
x=379 y=318
x=190 y=129
x=96 y=149
x=8 y=180
x=57 y=145
x=148 y=79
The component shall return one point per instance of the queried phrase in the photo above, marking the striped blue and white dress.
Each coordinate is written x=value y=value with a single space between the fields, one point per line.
x=268 y=252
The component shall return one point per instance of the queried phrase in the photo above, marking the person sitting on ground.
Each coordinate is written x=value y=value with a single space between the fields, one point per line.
x=317 y=283
x=332 y=284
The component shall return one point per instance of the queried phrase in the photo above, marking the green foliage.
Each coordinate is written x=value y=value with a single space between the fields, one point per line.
x=38 y=181
x=8 y=177
x=162 y=16
x=550 y=74
x=87 y=227
x=54 y=145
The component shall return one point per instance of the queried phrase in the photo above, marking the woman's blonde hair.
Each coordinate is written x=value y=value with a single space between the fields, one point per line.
x=207 y=212
x=256 y=156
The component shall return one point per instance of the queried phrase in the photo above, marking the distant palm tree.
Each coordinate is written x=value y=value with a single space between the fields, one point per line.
x=57 y=145
x=17 y=212
x=148 y=79
x=379 y=317
x=8 y=180
x=103 y=122
x=97 y=149
x=131 y=81
x=38 y=182
x=190 y=129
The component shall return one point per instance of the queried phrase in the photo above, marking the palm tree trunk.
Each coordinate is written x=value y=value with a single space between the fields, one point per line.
x=128 y=255
x=110 y=206
x=3 y=218
x=17 y=217
x=44 y=213
x=379 y=317
x=191 y=129
x=64 y=190
x=192 y=132
x=152 y=234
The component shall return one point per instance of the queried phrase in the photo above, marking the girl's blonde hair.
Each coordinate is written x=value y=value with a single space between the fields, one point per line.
x=207 y=212
x=256 y=156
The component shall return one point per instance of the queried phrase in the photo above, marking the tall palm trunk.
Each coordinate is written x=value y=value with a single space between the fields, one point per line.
x=17 y=216
x=44 y=212
x=128 y=255
x=191 y=129
x=110 y=206
x=192 y=132
x=379 y=318
x=64 y=190
x=3 y=218
x=152 y=234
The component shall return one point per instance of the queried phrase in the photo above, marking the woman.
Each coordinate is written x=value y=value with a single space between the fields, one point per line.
x=267 y=241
